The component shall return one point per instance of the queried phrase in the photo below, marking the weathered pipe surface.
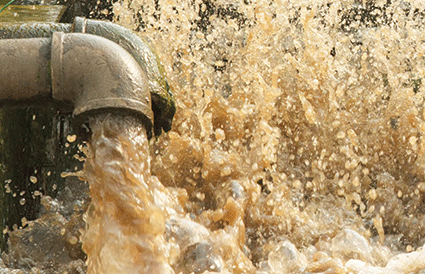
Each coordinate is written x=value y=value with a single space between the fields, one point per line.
x=32 y=30
x=24 y=69
x=88 y=73
x=162 y=99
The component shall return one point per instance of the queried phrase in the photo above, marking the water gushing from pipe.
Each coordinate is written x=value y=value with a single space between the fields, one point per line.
x=125 y=232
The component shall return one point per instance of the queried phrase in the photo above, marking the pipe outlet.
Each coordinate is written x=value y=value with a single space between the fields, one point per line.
x=162 y=99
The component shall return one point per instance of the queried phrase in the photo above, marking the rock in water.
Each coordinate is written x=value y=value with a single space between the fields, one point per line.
x=285 y=258
x=349 y=244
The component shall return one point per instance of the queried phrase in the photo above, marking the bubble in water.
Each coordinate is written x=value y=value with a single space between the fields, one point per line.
x=71 y=138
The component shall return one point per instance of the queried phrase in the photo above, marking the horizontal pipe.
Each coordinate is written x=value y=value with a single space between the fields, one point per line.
x=162 y=99
x=87 y=72
x=24 y=69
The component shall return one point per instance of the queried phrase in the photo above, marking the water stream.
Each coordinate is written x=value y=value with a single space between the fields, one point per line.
x=297 y=146
x=123 y=215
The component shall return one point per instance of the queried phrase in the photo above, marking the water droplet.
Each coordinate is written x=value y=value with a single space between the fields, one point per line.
x=71 y=138
x=73 y=240
x=33 y=179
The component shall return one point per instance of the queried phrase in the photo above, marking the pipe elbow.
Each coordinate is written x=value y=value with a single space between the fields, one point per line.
x=162 y=98
x=96 y=75
x=162 y=105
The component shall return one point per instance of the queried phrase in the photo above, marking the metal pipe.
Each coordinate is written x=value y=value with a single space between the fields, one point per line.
x=24 y=70
x=90 y=73
x=162 y=98
x=96 y=75
x=32 y=30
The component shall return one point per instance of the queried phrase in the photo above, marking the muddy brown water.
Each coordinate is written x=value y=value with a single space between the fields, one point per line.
x=297 y=145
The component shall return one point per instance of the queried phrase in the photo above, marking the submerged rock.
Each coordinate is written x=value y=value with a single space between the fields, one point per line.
x=360 y=267
x=408 y=262
x=185 y=231
x=285 y=258
x=349 y=244
x=199 y=258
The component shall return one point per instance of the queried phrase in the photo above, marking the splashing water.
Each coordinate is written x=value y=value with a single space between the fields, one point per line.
x=122 y=216
x=297 y=145
x=299 y=129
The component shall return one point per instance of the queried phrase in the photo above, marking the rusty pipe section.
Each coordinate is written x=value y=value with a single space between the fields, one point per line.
x=89 y=73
